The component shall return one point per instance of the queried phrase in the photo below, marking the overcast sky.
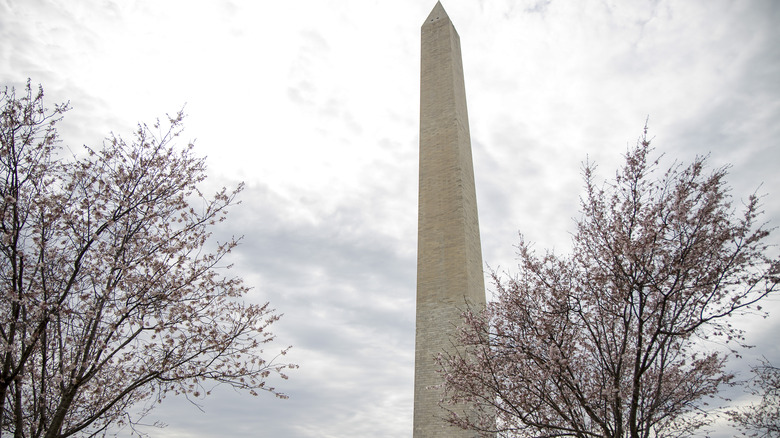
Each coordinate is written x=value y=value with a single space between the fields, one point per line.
x=314 y=104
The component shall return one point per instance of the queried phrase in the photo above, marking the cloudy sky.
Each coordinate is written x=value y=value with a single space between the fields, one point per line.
x=314 y=104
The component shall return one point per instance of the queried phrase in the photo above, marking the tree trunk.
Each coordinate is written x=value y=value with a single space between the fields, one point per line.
x=55 y=427
x=19 y=423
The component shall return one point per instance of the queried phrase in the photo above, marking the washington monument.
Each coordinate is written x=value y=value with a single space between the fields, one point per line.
x=449 y=254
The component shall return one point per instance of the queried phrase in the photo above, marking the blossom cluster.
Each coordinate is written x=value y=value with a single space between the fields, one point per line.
x=609 y=340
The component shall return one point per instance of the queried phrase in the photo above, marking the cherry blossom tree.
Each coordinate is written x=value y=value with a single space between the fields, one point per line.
x=761 y=419
x=112 y=292
x=618 y=338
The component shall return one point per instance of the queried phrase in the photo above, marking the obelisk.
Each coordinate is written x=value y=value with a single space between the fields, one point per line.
x=449 y=253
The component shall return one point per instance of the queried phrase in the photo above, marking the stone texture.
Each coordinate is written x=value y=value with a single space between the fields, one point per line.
x=449 y=253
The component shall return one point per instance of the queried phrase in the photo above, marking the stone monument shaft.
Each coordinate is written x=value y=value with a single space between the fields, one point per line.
x=449 y=253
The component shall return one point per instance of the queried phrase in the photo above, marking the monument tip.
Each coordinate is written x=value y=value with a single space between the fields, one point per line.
x=437 y=13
